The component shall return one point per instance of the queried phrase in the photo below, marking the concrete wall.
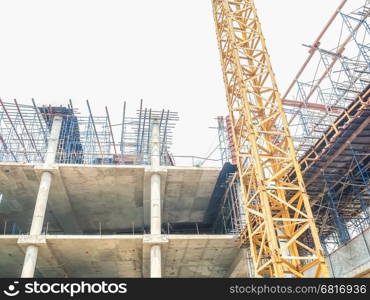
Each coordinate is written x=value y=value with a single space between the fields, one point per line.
x=352 y=259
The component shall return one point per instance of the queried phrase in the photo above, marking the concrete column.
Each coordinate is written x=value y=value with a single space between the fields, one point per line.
x=155 y=261
x=155 y=144
x=30 y=258
x=155 y=204
x=53 y=140
x=40 y=206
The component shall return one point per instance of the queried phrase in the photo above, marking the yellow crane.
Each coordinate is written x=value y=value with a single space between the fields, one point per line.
x=280 y=229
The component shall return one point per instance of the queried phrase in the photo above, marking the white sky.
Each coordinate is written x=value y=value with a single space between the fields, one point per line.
x=163 y=51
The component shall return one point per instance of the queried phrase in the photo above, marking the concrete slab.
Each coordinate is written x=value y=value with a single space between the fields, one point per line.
x=87 y=198
x=199 y=256
x=11 y=256
x=121 y=256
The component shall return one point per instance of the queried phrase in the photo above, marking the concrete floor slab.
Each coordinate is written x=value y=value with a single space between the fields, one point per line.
x=87 y=198
x=121 y=256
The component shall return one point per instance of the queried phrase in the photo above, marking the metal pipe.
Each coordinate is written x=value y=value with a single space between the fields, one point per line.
x=33 y=144
x=138 y=132
x=142 y=134
x=149 y=129
x=339 y=151
x=338 y=54
x=111 y=131
x=95 y=131
x=39 y=118
x=123 y=128
x=15 y=130
x=7 y=150
x=315 y=44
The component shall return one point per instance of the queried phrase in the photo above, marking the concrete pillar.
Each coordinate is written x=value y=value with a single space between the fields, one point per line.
x=156 y=261
x=155 y=144
x=30 y=258
x=53 y=140
x=40 y=206
x=155 y=204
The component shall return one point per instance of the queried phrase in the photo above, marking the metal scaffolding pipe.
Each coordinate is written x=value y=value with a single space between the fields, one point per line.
x=312 y=51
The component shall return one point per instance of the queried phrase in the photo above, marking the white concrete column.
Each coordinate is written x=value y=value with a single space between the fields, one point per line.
x=53 y=140
x=155 y=261
x=30 y=258
x=155 y=204
x=154 y=145
x=40 y=206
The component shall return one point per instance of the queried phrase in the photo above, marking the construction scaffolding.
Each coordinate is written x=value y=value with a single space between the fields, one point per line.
x=330 y=126
x=90 y=139
x=331 y=78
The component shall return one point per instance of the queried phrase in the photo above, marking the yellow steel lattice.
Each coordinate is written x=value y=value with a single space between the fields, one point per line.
x=280 y=229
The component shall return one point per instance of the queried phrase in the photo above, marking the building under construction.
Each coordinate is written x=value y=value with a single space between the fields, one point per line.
x=81 y=196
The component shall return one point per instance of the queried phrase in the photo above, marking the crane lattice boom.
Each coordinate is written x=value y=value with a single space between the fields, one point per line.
x=280 y=229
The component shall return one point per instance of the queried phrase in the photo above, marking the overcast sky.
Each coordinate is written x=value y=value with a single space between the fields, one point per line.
x=163 y=51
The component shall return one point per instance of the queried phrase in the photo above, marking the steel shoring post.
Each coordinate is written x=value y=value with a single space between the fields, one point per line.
x=110 y=130
x=141 y=140
x=365 y=180
x=122 y=149
x=363 y=205
x=95 y=131
x=338 y=220
x=149 y=131
x=21 y=142
x=6 y=149
x=139 y=127
x=40 y=122
x=364 y=176
x=32 y=141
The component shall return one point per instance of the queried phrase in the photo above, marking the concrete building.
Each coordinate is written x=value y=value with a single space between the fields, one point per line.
x=102 y=217
x=82 y=197
x=118 y=214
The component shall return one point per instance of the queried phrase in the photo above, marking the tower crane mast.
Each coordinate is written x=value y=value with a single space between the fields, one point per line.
x=280 y=229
